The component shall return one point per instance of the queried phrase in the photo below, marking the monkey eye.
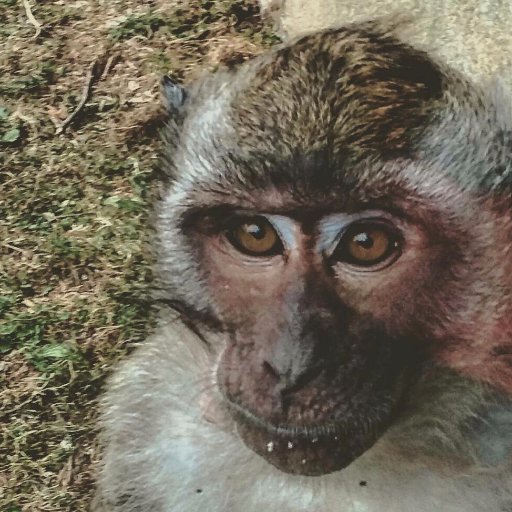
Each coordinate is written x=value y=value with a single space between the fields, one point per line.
x=367 y=243
x=254 y=236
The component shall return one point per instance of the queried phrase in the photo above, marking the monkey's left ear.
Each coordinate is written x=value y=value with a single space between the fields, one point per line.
x=174 y=95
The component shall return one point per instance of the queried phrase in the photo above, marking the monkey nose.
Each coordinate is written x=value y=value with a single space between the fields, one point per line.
x=291 y=373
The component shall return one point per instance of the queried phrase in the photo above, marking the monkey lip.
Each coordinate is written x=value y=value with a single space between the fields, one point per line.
x=312 y=450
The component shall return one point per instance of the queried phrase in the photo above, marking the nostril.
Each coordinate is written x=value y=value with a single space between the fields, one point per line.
x=270 y=370
x=291 y=380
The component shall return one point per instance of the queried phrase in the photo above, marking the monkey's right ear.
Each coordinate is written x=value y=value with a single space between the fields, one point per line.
x=174 y=96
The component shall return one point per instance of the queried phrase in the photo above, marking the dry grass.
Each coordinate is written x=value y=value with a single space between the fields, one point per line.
x=74 y=193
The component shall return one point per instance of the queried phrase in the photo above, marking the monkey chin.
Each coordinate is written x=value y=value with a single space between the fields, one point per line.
x=314 y=451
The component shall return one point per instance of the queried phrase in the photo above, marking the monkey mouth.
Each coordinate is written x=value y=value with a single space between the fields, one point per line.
x=311 y=450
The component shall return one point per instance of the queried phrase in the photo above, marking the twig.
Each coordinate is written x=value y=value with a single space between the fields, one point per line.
x=14 y=248
x=108 y=66
x=31 y=18
x=85 y=97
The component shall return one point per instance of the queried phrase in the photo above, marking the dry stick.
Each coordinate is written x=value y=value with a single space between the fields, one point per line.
x=31 y=18
x=85 y=97
x=108 y=65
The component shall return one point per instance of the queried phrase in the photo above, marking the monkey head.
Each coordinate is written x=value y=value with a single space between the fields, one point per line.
x=331 y=213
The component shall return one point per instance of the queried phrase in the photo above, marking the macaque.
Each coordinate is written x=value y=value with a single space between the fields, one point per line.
x=335 y=272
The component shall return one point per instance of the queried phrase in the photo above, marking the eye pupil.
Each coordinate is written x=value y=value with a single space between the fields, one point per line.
x=255 y=230
x=364 y=240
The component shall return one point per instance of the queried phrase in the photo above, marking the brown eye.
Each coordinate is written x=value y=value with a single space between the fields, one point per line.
x=255 y=236
x=367 y=244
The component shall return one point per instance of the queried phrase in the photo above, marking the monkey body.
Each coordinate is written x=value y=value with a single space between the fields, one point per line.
x=335 y=246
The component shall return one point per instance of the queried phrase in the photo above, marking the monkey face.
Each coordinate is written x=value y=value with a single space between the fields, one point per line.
x=314 y=367
x=329 y=238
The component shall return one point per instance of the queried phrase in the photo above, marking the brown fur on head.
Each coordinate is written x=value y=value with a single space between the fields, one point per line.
x=326 y=148
x=358 y=91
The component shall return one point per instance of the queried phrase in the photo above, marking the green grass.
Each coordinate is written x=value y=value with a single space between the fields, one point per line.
x=75 y=272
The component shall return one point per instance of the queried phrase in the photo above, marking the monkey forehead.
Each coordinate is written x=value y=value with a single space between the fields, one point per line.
x=343 y=92
x=311 y=115
x=312 y=109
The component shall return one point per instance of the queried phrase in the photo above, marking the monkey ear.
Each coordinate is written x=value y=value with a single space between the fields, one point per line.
x=174 y=95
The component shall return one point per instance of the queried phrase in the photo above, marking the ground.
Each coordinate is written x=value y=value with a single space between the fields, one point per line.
x=79 y=118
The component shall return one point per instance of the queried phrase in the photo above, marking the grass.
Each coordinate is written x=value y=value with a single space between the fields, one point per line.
x=74 y=265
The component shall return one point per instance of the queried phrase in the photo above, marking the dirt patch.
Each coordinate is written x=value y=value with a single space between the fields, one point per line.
x=78 y=120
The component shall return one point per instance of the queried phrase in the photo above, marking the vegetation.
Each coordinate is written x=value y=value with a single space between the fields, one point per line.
x=79 y=118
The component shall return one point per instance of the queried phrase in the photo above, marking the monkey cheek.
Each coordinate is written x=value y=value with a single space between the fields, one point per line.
x=308 y=456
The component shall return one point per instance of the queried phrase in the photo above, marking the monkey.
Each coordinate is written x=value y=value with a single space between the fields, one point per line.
x=334 y=268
